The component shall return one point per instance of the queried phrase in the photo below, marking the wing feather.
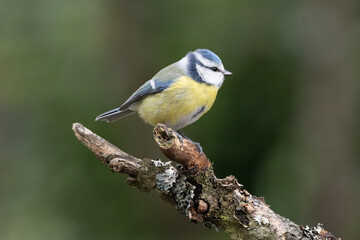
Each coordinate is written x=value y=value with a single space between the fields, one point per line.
x=161 y=81
x=150 y=87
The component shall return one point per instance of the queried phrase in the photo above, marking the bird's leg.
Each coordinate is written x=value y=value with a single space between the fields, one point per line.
x=180 y=133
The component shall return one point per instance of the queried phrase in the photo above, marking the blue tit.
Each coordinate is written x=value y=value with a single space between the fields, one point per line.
x=177 y=95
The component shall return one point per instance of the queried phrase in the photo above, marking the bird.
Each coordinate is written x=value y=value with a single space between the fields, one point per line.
x=177 y=95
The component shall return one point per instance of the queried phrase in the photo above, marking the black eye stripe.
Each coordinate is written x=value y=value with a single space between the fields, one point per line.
x=215 y=69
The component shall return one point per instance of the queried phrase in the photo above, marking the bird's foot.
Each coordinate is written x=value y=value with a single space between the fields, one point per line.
x=199 y=147
x=181 y=135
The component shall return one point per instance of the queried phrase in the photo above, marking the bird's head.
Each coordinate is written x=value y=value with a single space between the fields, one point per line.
x=204 y=66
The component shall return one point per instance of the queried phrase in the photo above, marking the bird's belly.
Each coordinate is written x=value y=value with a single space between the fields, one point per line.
x=179 y=105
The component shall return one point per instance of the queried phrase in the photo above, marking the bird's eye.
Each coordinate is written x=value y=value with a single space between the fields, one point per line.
x=215 y=69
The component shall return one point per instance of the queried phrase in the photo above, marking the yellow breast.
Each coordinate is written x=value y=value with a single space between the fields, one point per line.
x=182 y=103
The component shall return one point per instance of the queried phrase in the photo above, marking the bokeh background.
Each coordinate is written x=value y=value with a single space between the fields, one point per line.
x=286 y=124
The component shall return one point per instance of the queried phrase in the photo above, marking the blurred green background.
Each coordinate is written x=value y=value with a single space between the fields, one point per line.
x=286 y=124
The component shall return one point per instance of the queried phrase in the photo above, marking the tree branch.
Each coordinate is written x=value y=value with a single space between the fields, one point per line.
x=193 y=189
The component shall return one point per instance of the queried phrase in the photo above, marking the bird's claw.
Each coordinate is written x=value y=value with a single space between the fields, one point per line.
x=199 y=147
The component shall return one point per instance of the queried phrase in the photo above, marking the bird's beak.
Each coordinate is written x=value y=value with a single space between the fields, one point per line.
x=227 y=73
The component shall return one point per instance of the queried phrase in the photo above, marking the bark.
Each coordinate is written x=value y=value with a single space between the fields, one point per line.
x=193 y=189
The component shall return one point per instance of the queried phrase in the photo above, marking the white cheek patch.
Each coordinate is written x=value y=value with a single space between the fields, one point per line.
x=209 y=76
x=201 y=71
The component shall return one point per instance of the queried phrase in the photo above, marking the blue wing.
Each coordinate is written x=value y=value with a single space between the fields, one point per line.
x=150 y=87
x=161 y=81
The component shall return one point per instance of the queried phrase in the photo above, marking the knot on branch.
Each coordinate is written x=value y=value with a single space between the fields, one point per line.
x=184 y=152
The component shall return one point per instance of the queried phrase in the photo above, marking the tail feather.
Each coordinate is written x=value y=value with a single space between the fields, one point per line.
x=113 y=115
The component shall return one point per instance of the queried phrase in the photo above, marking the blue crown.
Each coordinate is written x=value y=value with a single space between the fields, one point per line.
x=209 y=55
